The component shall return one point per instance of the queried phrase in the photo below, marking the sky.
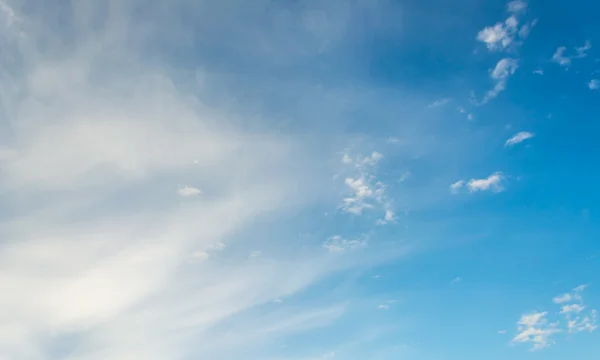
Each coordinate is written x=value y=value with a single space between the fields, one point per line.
x=299 y=179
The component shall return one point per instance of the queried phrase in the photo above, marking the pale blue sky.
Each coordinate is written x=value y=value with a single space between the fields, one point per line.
x=299 y=180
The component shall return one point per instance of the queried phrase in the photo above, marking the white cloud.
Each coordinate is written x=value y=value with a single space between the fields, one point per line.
x=562 y=298
x=501 y=332
x=587 y=323
x=560 y=57
x=519 y=137
x=500 y=74
x=337 y=244
x=188 y=191
x=573 y=308
x=538 y=72
x=492 y=182
x=503 y=35
x=517 y=6
x=455 y=187
x=582 y=50
x=534 y=328
x=470 y=117
x=504 y=68
x=383 y=307
x=594 y=84
x=439 y=103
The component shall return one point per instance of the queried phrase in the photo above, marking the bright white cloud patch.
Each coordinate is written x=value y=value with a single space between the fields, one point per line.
x=492 y=182
x=506 y=34
x=536 y=329
x=519 y=137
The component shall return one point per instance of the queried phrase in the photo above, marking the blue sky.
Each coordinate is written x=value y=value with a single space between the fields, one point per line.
x=299 y=180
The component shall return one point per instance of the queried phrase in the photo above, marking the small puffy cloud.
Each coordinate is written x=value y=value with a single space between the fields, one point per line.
x=188 y=191
x=456 y=186
x=439 y=103
x=594 y=84
x=538 y=72
x=492 y=182
x=388 y=217
x=535 y=329
x=587 y=323
x=501 y=332
x=470 y=117
x=562 y=298
x=383 y=307
x=573 y=308
x=517 y=6
x=337 y=244
x=519 y=137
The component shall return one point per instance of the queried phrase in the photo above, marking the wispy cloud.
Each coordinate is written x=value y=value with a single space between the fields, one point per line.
x=439 y=103
x=337 y=244
x=561 y=58
x=456 y=186
x=518 y=138
x=594 y=84
x=500 y=73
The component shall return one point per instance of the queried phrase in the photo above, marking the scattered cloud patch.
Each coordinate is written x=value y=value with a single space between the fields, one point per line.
x=501 y=332
x=363 y=190
x=405 y=176
x=538 y=72
x=337 y=244
x=594 y=84
x=518 y=138
x=561 y=58
x=535 y=329
x=383 y=307
x=492 y=182
x=188 y=191
x=503 y=35
x=455 y=187
x=439 y=103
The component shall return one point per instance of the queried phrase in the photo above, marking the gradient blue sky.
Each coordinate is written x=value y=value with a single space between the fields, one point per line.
x=299 y=180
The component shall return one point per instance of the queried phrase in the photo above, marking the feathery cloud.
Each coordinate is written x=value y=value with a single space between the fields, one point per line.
x=519 y=137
